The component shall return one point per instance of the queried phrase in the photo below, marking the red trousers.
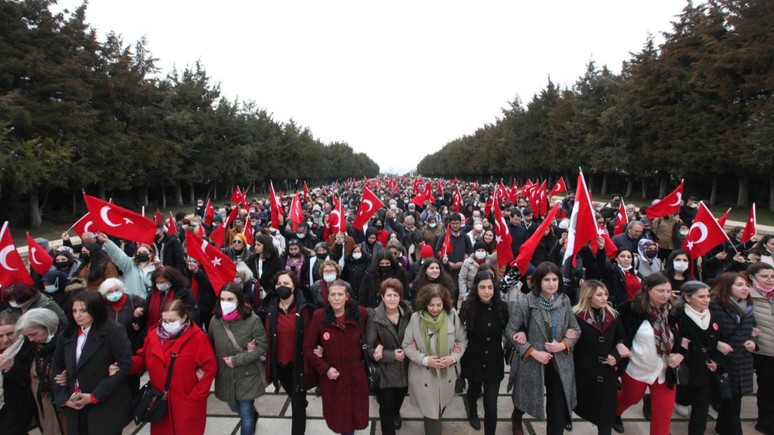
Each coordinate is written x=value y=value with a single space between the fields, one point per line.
x=662 y=402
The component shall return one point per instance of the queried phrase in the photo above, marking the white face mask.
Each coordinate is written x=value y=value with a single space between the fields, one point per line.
x=432 y=224
x=301 y=235
x=393 y=206
x=114 y=296
x=329 y=277
x=626 y=268
x=172 y=327
x=51 y=288
x=14 y=304
x=227 y=307
x=356 y=255
x=237 y=280
x=480 y=254
x=683 y=233
x=478 y=227
x=680 y=266
x=164 y=287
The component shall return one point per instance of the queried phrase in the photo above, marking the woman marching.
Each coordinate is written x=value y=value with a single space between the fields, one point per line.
x=545 y=359
x=597 y=353
x=485 y=316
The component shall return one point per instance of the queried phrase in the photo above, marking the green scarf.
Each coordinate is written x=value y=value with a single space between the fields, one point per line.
x=440 y=326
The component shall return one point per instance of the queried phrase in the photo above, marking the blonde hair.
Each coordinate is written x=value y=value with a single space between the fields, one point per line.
x=585 y=294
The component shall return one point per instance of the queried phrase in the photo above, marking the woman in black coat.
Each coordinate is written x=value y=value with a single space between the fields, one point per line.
x=732 y=309
x=94 y=402
x=266 y=262
x=16 y=353
x=383 y=266
x=485 y=316
x=598 y=351
x=701 y=333
x=355 y=266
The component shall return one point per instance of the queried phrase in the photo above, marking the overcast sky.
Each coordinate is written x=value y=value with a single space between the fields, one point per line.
x=396 y=80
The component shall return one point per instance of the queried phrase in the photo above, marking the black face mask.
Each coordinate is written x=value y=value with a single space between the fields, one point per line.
x=385 y=269
x=62 y=265
x=84 y=257
x=651 y=254
x=322 y=256
x=284 y=292
x=142 y=257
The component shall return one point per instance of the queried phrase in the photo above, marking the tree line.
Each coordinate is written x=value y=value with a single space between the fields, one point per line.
x=698 y=107
x=79 y=113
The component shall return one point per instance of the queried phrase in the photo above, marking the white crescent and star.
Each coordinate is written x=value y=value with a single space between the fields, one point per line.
x=87 y=226
x=679 y=198
x=104 y=215
x=702 y=229
x=370 y=205
x=32 y=256
x=4 y=258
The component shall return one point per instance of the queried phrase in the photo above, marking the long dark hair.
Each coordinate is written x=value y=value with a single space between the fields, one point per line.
x=444 y=278
x=236 y=289
x=375 y=271
x=269 y=250
x=175 y=278
x=473 y=304
x=95 y=306
x=669 y=267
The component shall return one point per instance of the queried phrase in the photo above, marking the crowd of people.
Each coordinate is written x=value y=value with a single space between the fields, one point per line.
x=433 y=314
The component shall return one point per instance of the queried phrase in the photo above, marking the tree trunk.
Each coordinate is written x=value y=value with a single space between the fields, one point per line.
x=75 y=204
x=35 y=218
x=144 y=196
x=744 y=190
x=163 y=197
x=215 y=191
x=714 y=192
x=663 y=186
x=771 y=192
x=590 y=183
x=191 y=193
x=629 y=188
x=178 y=193
x=644 y=186
x=101 y=190
x=604 y=185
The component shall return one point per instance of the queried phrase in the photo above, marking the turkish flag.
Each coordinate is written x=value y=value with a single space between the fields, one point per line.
x=417 y=184
x=219 y=268
x=276 y=207
x=237 y=197
x=722 y=220
x=705 y=233
x=668 y=204
x=447 y=244
x=336 y=222
x=583 y=225
x=248 y=231
x=296 y=215
x=231 y=217
x=368 y=206
x=559 y=187
x=209 y=212
x=218 y=236
x=749 y=227
x=419 y=199
x=457 y=202
x=39 y=259
x=620 y=220
x=611 y=250
x=158 y=217
x=542 y=200
x=526 y=188
x=83 y=225
x=171 y=224
x=503 y=237
x=120 y=222
x=12 y=269
x=527 y=249
x=429 y=191
x=306 y=192
x=501 y=192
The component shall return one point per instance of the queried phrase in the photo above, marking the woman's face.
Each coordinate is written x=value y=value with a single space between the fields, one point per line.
x=142 y=250
x=660 y=294
x=599 y=298
x=435 y=306
x=258 y=248
x=391 y=299
x=371 y=239
x=624 y=259
x=36 y=335
x=161 y=280
x=284 y=280
x=549 y=285
x=485 y=290
x=488 y=237
x=329 y=270
x=294 y=250
x=700 y=300
x=433 y=271
x=337 y=297
x=765 y=278
x=770 y=245
x=7 y=336
x=384 y=263
x=227 y=296
x=171 y=316
x=80 y=315
x=740 y=289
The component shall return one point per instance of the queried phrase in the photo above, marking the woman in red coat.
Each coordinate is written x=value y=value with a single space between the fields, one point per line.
x=337 y=327
x=192 y=375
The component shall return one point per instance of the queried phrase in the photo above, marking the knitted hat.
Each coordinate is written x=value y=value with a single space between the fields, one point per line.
x=426 y=252
x=479 y=245
x=242 y=236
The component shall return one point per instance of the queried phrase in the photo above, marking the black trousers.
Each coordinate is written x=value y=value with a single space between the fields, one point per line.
x=390 y=401
x=298 y=401
x=728 y=422
x=700 y=398
x=490 y=403
x=764 y=368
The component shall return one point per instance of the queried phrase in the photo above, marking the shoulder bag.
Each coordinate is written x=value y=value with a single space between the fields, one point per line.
x=151 y=405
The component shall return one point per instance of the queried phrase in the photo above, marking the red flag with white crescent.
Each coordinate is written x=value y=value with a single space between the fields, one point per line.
x=12 y=269
x=119 y=222
x=705 y=233
x=503 y=237
x=620 y=220
x=296 y=215
x=82 y=225
x=39 y=259
x=559 y=187
x=220 y=269
x=749 y=227
x=368 y=206
x=667 y=205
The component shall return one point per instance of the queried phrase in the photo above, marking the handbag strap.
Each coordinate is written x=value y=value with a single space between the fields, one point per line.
x=231 y=336
x=169 y=372
x=362 y=341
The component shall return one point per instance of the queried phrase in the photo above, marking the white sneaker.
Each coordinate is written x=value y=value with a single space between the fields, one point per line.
x=682 y=410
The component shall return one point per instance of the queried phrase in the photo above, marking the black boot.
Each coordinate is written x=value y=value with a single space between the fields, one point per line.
x=618 y=424
x=475 y=422
x=517 y=429
x=646 y=406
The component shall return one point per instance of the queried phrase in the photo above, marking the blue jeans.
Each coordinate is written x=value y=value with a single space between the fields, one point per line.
x=247 y=414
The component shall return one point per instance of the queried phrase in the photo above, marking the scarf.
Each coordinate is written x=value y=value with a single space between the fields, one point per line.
x=659 y=320
x=164 y=335
x=10 y=352
x=550 y=312
x=700 y=318
x=739 y=307
x=439 y=326
x=231 y=316
x=767 y=293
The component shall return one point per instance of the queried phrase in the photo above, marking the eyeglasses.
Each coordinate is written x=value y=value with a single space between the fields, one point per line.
x=236 y=242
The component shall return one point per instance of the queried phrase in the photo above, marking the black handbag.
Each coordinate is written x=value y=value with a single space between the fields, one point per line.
x=722 y=385
x=372 y=368
x=151 y=405
x=682 y=376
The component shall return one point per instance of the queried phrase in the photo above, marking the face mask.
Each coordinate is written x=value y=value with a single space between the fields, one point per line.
x=14 y=304
x=683 y=233
x=651 y=254
x=227 y=307
x=51 y=288
x=760 y=287
x=322 y=256
x=284 y=292
x=185 y=227
x=432 y=224
x=301 y=235
x=172 y=327
x=694 y=206
x=84 y=257
x=164 y=287
x=356 y=255
x=680 y=267
x=237 y=280
x=62 y=265
x=329 y=277
x=114 y=296
x=384 y=269
x=626 y=268
x=393 y=206
x=480 y=255
x=142 y=257
x=478 y=227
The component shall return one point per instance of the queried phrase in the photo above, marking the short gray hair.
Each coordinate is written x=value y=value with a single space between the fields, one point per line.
x=40 y=318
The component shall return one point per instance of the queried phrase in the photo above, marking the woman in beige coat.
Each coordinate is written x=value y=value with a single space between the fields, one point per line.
x=434 y=343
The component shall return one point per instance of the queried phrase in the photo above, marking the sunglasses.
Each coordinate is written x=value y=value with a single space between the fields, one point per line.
x=236 y=242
